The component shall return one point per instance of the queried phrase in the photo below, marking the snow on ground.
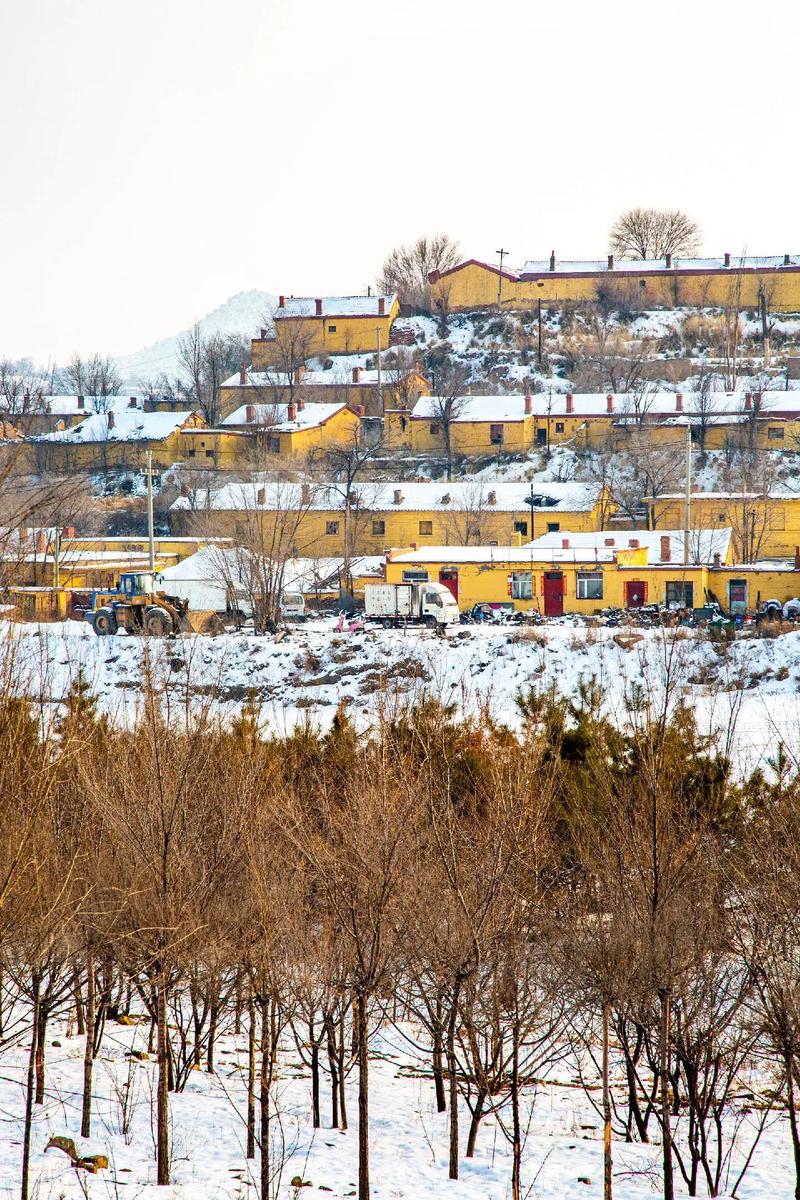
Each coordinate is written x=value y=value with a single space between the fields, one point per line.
x=315 y=667
x=562 y=1157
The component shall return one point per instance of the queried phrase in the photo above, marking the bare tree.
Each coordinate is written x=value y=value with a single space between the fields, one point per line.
x=93 y=376
x=449 y=404
x=406 y=270
x=205 y=363
x=344 y=465
x=650 y=233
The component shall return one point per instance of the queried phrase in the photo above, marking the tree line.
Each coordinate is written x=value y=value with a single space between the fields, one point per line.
x=576 y=890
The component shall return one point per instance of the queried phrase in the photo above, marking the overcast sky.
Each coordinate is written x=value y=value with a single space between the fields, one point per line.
x=161 y=155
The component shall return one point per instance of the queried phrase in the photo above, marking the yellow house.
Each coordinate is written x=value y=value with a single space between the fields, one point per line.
x=770 y=420
x=295 y=429
x=37 y=413
x=316 y=519
x=764 y=524
x=305 y=327
x=669 y=283
x=116 y=440
x=585 y=573
x=357 y=387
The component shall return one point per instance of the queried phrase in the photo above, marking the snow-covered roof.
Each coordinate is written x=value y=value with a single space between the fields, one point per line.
x=367 y=377
x=458 y=496
x=128 y=426
x=585 y=548
x=275 y=417
x=334 y=306
x=684 y=406
x=68 y=406
x=470 y=409
x=602 y=546
x=541 y=266
x=213 y=566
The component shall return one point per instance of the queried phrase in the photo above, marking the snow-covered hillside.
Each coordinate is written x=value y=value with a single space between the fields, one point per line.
x=243 y=313
x=751 y=684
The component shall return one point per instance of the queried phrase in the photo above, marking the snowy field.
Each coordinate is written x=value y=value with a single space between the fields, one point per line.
x=752 y=684
x=562 y=1156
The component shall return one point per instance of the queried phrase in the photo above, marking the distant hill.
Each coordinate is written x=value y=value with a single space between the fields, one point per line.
x=242 y=313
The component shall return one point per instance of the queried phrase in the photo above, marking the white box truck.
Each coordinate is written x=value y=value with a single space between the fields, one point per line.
x=395 y=603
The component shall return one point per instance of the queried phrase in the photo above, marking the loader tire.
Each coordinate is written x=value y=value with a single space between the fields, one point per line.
x=157 y=623
x=105 y=622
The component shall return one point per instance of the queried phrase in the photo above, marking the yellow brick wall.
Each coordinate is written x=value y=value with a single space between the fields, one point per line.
x=774 y=530
x=321 y=533
x=475 y=286
x=326 y=335
x=473 y=437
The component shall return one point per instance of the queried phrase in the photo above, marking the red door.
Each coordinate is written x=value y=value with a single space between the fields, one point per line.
x=553 y=594
x=449 y=577
x=635 y=593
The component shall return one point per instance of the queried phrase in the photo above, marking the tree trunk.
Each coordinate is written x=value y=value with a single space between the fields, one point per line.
x=333 y=1067
x=88 y=1053
x=162 y=1086
x=29 y=1089
x=315 y=1115
x=438 y=1072
x=212 y=1036
x=264 y=1106
x=792 y=1101
x=363 y=1097
x=474 y=1125
x=607 y=1161
x=342 y=1096
x=76 y=991
x=666 y=1131
x=516 y=1168
x=453 y=1084
x=40 y=1045
x=251 y=1078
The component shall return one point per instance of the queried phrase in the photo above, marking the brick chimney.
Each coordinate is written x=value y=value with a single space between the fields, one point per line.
x=609 y=403
x=727 y=259
x=491 y=498
x=81 y=400
x=679 y=402
x=261 y=496
x=786 y=262
x=305 y=493
x=611 y=262
x=748 y=401
x=68 y=531
x=263 y=333
x=131 y=402
x=666 y=548
x=552 y=260
x=381 y=306
x=291 y=411
x=633 y=543
x=356 y=374
x=318 y=308
x=669 y=262
x=398 y=496
x=299 y=372
x=111 y=420
x=281 y=301
x=608 y=542
x=361 y=410
x=528 y=405
x=565 y=543
x=250 y=413
x=717 y=559
x=41 y=542
x=242 y=376
x=570 y=403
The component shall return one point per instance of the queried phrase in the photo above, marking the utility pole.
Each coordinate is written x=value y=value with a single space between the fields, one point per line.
x=539 y=316
x=57 y=559
x=502 y=254
x=688 y=513
x=151 y=547
x=380 y=378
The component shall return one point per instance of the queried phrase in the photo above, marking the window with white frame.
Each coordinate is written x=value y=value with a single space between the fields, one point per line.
x=522 y=585
x=589 y=585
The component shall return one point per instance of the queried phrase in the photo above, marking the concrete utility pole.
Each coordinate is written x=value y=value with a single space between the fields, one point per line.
x=151 y=546
x=57 y=559
x=502 y=254
x=539 y=317
x=380 y=377
x=688 y=513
